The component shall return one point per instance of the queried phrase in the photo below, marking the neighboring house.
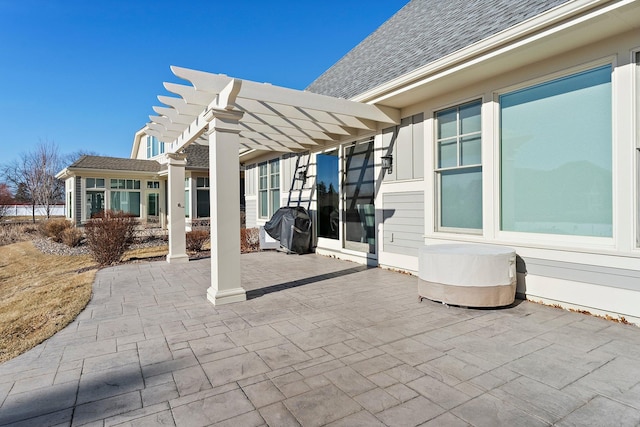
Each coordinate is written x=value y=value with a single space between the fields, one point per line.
x=506 y=122
x=136 y=185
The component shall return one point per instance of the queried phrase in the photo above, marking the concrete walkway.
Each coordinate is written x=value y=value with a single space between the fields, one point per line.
x=320 y=341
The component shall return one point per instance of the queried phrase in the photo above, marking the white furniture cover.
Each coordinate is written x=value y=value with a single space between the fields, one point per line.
x=468 y=274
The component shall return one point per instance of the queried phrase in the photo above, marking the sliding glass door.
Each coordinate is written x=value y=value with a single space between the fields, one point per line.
x=358 y=197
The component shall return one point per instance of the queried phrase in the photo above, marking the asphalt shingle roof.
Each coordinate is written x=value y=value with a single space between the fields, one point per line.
x=422 y=31
x=115 y=163
x=197 y=156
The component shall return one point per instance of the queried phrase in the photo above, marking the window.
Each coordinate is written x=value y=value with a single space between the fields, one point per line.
x=125 y=184
x=269 y=187
x=459 y=167
x=638 y=149
x=153 y=184
x=187 y=199
x=202 y=197
x=154 y=147
x=94 y=183
x=556 y=156
x=327 y=190
x=125 y=201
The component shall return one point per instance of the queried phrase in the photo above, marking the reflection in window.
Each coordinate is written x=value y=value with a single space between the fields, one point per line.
x=328 y=194
x=459 y=167
x=359 y=195
x=269 y=187
x=556 y=156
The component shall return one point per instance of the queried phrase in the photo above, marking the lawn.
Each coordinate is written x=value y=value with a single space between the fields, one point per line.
x=41 y=294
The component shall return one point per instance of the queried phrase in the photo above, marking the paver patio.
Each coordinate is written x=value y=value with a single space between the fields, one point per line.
x=319 y=342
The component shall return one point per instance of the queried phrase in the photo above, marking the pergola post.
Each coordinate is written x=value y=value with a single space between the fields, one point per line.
x=176 y=221
x=224 y=196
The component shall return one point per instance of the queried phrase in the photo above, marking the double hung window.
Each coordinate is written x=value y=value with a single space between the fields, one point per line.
x=269 y=187
x=459 y=167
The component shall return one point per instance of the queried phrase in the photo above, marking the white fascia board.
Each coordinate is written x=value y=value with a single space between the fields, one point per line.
x=64 y=174
x=109 y=173
x=483 y=49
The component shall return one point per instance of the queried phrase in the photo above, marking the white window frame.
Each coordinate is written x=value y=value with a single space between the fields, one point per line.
x=202 y=183
x=154 y=147
x=636 y=130
x=439 y=170
x=545 y=240
x=270 y=190
x=125 y=185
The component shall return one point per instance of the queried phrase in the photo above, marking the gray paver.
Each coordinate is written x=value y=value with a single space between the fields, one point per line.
x=347 y=346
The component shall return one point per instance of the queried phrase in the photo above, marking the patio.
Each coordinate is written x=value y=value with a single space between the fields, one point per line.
x=318 y=342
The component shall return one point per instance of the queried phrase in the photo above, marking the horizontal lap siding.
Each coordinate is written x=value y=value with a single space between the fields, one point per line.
x=403 y=217
x=251 y=211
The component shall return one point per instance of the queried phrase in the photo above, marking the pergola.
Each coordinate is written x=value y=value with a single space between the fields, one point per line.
x=239 y=118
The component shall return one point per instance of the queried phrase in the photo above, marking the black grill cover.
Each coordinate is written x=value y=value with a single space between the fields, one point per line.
x=292 y=227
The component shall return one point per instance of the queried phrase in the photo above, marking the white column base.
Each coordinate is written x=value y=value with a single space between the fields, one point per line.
x=177 y=259
x=227 y=296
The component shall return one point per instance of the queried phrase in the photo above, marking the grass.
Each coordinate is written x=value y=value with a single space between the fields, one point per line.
x=40 y=294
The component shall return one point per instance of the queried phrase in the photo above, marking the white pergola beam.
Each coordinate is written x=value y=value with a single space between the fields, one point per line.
x=190 y=95
x=173 y=115
x=203 y=81
x=313 y=101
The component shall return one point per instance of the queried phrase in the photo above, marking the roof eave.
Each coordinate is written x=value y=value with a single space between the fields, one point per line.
x=518 y=32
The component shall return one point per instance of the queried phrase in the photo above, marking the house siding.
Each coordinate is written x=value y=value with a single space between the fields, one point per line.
x=403 y=220
x=78 y=197
x=251 y=211
x=596 y=275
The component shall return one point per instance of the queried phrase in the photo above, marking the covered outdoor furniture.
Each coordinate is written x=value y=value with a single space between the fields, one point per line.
x=468 y=275
x=292 y=227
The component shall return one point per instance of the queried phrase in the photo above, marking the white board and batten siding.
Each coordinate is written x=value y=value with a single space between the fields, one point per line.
x=403 y=223
x=251 y=196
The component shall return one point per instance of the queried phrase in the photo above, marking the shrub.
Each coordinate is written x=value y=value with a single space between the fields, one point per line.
x=72 y=237
x=109 y=235
x=249 y=240
x=54 y=228
x=12 y=233
x=196 y=240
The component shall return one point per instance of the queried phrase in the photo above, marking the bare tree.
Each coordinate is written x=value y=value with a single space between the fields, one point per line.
x=21 y=174
x=48 y=162
x=33 y=176
x=6 y=200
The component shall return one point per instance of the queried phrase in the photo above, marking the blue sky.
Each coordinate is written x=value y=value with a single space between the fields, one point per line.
x=85 y=74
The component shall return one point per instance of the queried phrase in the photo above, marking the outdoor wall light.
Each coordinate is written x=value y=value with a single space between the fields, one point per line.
x=302 y=175
x=387 y=163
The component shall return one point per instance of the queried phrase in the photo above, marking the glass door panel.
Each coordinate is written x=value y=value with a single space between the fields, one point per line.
x=359 y=194
x=327 y=189
x=153 y=208
x=95 y=203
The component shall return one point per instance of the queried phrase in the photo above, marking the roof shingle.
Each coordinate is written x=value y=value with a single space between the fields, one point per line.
x=422 y=31
x=115 y=163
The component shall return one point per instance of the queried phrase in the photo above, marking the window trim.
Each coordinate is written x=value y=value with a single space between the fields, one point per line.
x=269 y=189
x=543 y=239
x=439 y=170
